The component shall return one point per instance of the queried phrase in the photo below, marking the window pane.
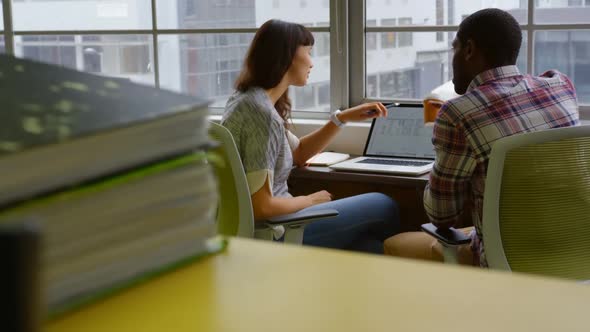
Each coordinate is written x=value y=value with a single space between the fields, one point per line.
x=521 y=61
x=207 y=65
x=436 y=12
x=566 y=51
x=2 y=46
x=81 y=15
x=415 y=67
x=193 y=14
x=562 y=11
x=1 y=17
x=371 y=38
x=204 y=65
x=125 y=56
x=315 y=96
x=408 y=71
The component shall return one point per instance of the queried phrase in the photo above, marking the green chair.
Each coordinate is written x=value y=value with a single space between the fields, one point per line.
x=235 y=216
x=536 y=210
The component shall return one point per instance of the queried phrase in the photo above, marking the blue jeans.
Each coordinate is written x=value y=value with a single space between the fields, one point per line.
x=363 y=223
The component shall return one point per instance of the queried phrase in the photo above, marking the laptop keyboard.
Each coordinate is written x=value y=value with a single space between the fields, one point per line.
x=393 y=162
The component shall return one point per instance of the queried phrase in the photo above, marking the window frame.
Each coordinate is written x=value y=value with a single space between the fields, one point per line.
x=347 y=32
x=336 y=30
x=358 y=32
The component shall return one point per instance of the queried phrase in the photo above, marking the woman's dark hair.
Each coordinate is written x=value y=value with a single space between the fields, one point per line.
x=269 y=57
x=495 y=32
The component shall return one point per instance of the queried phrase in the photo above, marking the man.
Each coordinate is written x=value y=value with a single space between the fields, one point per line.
x=497 y=101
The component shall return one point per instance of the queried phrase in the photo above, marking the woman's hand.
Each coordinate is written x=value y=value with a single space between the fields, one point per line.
x=363 y=112
x=320 y=197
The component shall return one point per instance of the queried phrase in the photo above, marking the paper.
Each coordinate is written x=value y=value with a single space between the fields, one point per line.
x=327 y=158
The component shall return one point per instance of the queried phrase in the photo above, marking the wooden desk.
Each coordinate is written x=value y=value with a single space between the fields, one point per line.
x=407 y=191
x=264 y=286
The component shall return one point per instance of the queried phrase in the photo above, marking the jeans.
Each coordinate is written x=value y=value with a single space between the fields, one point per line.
x=363 y=223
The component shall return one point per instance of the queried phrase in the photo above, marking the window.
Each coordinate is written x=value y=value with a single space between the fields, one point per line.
x=422 y=59
x=53 y=49
x=190 y=9
x=304 y=98
x=198 y=46
x=388 y=38
x=566 y=51
x=405 y=38
x=371 y=38
x=440 y=18
x=128 y=56
x=322 y=44
x=312 y=96
x=81 y=15
x=116 y=38
x=372 y=85
x=323 y=93
x=560 y=12
x=209 y=63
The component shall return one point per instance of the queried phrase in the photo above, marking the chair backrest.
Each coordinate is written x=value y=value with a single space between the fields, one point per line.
x=536 y=213
x=235 y=216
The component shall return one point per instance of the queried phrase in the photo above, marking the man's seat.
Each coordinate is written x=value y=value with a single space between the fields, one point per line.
x=235 y=216
x=536 y=212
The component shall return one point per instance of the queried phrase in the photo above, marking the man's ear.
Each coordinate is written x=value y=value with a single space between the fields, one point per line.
x=469 y=49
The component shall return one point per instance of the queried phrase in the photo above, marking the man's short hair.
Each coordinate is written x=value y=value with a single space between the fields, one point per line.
x=495 y=32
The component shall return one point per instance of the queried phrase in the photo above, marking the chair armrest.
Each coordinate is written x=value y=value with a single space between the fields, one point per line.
x=301 y=218
x=449 y=237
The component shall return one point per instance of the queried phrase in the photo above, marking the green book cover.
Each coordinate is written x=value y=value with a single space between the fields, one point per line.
x=46 y=104
x=79 y=126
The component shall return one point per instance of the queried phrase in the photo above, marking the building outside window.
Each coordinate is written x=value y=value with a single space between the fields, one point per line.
x=405 y=38
x=191 y=61
x=388 y=39
x=426 y=58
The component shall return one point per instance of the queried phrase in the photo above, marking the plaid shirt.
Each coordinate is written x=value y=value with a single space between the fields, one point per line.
x=499 y=102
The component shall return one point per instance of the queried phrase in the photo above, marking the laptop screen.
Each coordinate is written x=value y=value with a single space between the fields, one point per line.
x=401 y=134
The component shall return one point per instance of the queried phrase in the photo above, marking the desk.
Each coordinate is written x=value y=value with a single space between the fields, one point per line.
x=264 y=286
x=407 y=191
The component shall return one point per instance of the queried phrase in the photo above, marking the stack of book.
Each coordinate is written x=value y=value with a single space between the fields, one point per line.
x=113 y=173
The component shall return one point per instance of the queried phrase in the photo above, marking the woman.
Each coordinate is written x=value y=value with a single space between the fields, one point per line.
x=257 y=116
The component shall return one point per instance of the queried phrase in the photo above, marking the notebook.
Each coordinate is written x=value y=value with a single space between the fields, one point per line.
x=397 y=144
x=327 y=158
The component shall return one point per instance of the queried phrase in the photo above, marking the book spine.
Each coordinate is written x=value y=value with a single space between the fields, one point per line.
x=20 y=247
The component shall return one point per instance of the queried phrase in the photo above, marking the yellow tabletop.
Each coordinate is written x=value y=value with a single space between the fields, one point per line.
x=262 y=286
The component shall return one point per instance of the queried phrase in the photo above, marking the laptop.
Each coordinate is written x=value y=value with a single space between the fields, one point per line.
x=397 y=144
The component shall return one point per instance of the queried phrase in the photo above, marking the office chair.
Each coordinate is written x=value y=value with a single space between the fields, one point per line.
x=536 y=210
x=235 y=215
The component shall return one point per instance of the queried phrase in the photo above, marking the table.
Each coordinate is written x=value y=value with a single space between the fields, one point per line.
x=264 y=286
